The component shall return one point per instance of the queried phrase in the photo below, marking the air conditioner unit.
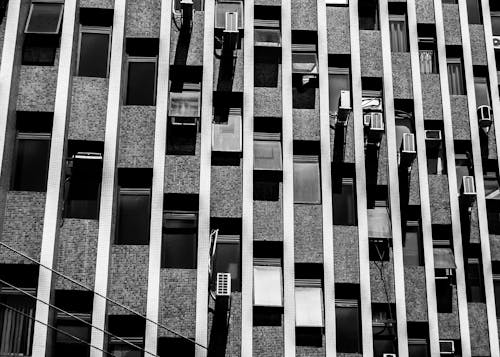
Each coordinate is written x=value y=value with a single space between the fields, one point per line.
x=468 y=187
x=389 y=355
x=377 y=122
x=484 y=116
x=223 y=285
x=447 y=347
x=367 y=118
x=408 y=144
x=231 y=24
x=344 y=106
x=433 y=135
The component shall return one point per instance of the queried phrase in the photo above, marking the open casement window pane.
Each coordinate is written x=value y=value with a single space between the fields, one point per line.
x=306 y=181
x=228 y=259
x=495 y=23
x=267 y=37
x=267 y=152
x=268 y=286
x=133 y=216
x=399 y=37
x=179 y=242
x=223 y=6
x=348 y=326
x=344 y=204
x=184 y=104
x=141 y=81
x=226 y=136
x=308 y=305
x=16 y=330
x=444 y=258
x=455 y=76
x=338 y=79
x=482 y=91
x=412 y=247
x=44 y=18
x=94 y=52
x=379 y=223
x=31 y=162
x=304 y=59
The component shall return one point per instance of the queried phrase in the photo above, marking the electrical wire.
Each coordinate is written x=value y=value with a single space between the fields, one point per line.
x=78 y=318
x=102 y=296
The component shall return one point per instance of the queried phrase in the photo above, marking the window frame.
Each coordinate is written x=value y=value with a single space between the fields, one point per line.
x=306 y=49
x=313 y=285
x=399 y=18
x=180 y=213
x=270 y=264
x=230 y=240
x=129 y=191
x=456 y=61
x=140 y=59
x=101 y=30
x=275 y=140
x=308 y=159
x=350 y=303
x=30 y=14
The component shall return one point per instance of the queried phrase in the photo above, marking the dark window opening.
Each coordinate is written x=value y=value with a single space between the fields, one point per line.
x=496 y=285
x=130 y=328
x=134 y=206
x=267 y=31
x=345 y=205
x=456 y=76
x=306 y=173
x=3 y=9
x=413 y=245
x=227 y=257
x=474 y=273
x=175 y=346
x=32 y=151
x=427 y=48
x=368 y=15
x=304 y=69
x=435 y=147
x=495 y=22
x=348 y=318
x=82 y=186
x=398 y=28
x=339 y=79
x=474 y=12
x=418 y=339
x=267 y=67
x=384 y=329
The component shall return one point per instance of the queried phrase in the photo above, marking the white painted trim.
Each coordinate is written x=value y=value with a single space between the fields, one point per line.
x=478 y=178
x=247 y=200
x=160 y=144
x=359 y=154
x=425 y=205
x=288 y=199
x=108 y=178
x=326 y=183
x=452 y=182
x=205 y=179
x=393 y=178
x=56 y=165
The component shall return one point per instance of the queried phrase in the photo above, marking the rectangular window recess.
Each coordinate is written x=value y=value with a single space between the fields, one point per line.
x=95 y=52
x=266 y=23
x=44 y=18
x=275 y=262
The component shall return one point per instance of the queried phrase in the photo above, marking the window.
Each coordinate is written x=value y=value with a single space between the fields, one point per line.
x=368 y=15
x=482 y=91
x=39 y=50
x=179 y=242
x=197 y=5
x=267 y=33
x=474 y=11
x=399 y=33
x=223 y=6
x=226 y=135
x=428 y=60
x=496 y=287
x=379 y=221
x=267 y=151
x=304 y=59
x=308 y=303
x=93 y=59
x=175 y=346
x=141 y=80
x=412 y=250
x=495 y=23
x=130 y=328
x=475 y=281
x=306 y=179
x=444 y=264
x=384 y=329
x=267 y=282
x=338 y=80
x=455 y=76
x=44 y=18
x=134 y=211
x=344 y=204
x=417 y=347
x=16 y=322
x=228 y=258
x=348 y=326
x=3 y=9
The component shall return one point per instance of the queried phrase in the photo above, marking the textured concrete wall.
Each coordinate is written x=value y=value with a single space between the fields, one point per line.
x=267 y=101
x=143 y=18
x=103 y=4
x=37 y=88
x=190 y=52
x=495 y=247
x=268 y=341
x=492 y=146
x=311 y=351
x=460 y=117
x=224 y=81
x=268 y=2
x=304 y=15
x=379 y=294
x=431 y=97
x=23 y=225
x=401 y=75
x=178 y=301
x=416 y=295
x=414 y=196
x=440 y=200
x=478 y=322
x=346 y=254
x=77 y=252
x=226 y=190
x=451 y=20
x=474 y=225
x=306 y=122
x=268 y=219
x=425 y=11
x=308 y=233
x=233 y=346
x=88 y=108
x=128 y=280
x=136 y=143
x=383 y=162
x=371 y=53
x=339 y=35
x=449 y=325
x=182 y=172
x=2 y=33
x=478 y=45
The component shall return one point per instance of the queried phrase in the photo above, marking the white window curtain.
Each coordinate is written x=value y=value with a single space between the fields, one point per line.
x=308 y=306
x=16 y=327
x=455 y=76
x=268 y=286
x=397 y=28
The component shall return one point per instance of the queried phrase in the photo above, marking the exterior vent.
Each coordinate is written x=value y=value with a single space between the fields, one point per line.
x=447 y=347
x=377 y=122
x=433 y=135
x=344 y=106
x=223 y=285
x=468 y=187
x=484 y=116
x=231 y=22
x=408 y=145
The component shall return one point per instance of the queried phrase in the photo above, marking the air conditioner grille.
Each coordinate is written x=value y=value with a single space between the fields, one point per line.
x=433 y=135
x=377 y=121
x=223 y=286
x=409 y=143
x=468 y=185
x=231 y=22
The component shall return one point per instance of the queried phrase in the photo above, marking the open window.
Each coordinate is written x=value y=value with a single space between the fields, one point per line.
x=175 y=346
x=338 y=80
x=304 y=61
x=435 y=147
x=444 y=265
x=227 y=257
x=345 y=211
x=348 y=318
x=384 y=329
x=496 y=285
x=130 y=328
x=413 y=245
x=398 y=28
x=474 y=274
x=306 y=179
x=267 y=151
x=427 y=48
x=267 y=32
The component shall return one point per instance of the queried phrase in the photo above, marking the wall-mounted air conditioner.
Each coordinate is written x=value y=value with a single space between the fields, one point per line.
x=344 y=106
x=231 y=23
x=468 y=187
x=433 y=135
x=223 y=285
x=484 y=116
x=377 y=122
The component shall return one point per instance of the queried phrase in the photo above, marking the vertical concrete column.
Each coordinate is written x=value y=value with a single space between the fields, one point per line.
x=478 y=178
x=359 y=154
x=390 y=124
x=452 y=182
x=205 y=178
x=156 y=224
x=108 y=178
x=326 y=183
x=247 y=200
x=56 y=162
x=288 y=199
x=425 y=206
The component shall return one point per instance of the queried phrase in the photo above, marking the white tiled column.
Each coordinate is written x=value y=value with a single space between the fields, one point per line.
x=52 y=203
x=452 y=183
x=108 y=178
x=359 y=153
x=160 y=144
x=205 y=178
x=425 y=206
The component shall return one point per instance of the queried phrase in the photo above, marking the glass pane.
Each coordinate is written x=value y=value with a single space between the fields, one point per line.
x=228 y=260
x=482 y=91
x=268 y=286
x=17 y=330
x=417 y=350
x=179 y=250
x=44 y=18
x=495 y=24
x=474 y=11
x=227 y=136
x=222 y=7
x=185 y=104
x=348 y=329
x=304 y=63
x=411 y=250
x=344 y=206
x=32 y=163
x=306 y=183
x=133 y=219
x=94 y=50
x=379 y=223
x=141 y=83
x=496 y=285
x=337 y=82
x=267 y=155
x=308 y=307
x=267 y=37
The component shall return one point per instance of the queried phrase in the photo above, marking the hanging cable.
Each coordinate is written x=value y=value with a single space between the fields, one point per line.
x=78 y=318
x=102 y=296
